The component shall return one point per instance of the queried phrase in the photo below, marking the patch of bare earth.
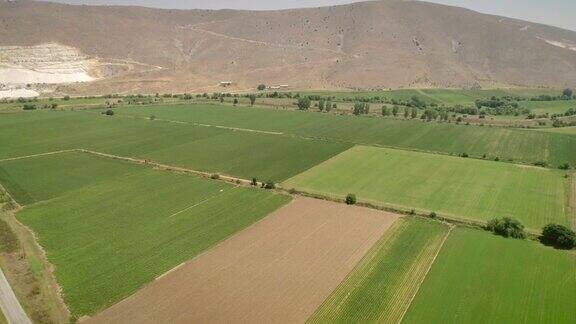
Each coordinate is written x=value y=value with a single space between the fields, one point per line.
x=277 y=271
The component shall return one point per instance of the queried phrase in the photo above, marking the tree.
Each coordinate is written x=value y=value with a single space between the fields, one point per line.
x=261 y=87
x=395 y=110
x=252 y=98
x=385 y=111
x=328 y=106
x=506 y=227
x=351 y=199
x=414 y=113
x=361 y=108
x=254 y=182
x=406 y=112
x=303 y=103
x=321 y=105
x=235 y=102
x=558 y=236
x=567 y=93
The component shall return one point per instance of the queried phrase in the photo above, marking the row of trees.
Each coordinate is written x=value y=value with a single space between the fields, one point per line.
x=555 y=235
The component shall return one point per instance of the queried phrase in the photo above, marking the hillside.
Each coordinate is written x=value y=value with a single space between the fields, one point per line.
x=369 y=45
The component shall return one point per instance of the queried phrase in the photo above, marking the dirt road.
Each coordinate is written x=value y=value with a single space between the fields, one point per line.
x=277 y=271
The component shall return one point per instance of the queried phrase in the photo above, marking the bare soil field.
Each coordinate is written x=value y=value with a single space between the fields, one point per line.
x=277 y=271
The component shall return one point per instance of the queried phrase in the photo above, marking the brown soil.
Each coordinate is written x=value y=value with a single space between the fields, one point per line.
x=276 y=271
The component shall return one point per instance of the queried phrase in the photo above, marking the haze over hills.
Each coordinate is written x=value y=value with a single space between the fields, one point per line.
x=369 y=45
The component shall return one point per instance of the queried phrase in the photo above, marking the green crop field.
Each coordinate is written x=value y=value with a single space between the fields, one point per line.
x=379 y=289
x=46 y=177
x=482 y=278
x=504 y=143
x=463 y=188
x=239 y=153
x=109 y=228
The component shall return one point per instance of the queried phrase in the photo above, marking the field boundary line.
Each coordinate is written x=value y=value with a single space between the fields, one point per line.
x=38 y=155
x=199 y=203
x=426 y=273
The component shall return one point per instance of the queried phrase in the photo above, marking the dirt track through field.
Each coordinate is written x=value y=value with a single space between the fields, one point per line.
x=277 y=271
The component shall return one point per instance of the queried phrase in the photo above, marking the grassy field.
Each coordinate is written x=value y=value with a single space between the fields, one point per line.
x=109 y=235
x=464 y=188
x=379 y=289
x=481 y=278
x=550 y=107
x=562 y=130
x=516 y=144
x=239 y=153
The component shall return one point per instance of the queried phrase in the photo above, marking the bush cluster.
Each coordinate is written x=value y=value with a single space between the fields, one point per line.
x=558 y=236
x=507 y=227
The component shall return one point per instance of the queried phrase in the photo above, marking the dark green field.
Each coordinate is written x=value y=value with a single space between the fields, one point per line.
x=515 y=144
x=239 y=153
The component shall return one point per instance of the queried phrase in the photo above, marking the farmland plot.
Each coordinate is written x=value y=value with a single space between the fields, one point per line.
x=238 y=153
x=380 y=288
x=110 y=235
x=518 y=145
x=482 y=278
x=276 y=271
x=461 y=188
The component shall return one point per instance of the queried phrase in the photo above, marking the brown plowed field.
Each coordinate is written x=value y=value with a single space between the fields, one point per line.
x=277 y=271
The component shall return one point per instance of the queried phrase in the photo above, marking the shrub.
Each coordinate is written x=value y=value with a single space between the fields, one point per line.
x=541 y=164
x=215 y=176
x=558 y=236
x=254 y=182
x=29 y=107
x=269 y=185
x=433 y=215
x=564 y=166
x=261 y=87
x=292 y=191
x=351 y=199
x=66 y=98
x=152 y=117
x=109 y=112
x=506 y=227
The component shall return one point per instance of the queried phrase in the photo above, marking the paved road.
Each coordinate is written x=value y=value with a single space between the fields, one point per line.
x=9 y=304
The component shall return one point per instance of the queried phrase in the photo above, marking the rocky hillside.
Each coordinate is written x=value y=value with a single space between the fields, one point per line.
x=369 y=45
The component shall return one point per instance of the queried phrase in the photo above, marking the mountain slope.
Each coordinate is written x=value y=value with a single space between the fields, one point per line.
x=380 y=44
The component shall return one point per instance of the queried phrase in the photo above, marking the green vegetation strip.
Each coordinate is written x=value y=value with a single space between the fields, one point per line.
x=481 y=278
x=109 y=234
x=456 y=187
x=380 y=288
x=8 y=240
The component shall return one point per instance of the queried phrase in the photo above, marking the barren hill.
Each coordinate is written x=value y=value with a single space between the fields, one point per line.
x=380 y=44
